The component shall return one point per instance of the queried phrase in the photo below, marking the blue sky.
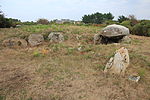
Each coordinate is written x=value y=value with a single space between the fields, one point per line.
x=73 y=9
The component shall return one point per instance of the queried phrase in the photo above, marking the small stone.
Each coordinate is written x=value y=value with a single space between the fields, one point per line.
x=116 y=44
x=80 y=48
x=56 y=37
x=14 y=42
x=78 y=37
x=35 y=39
x=17 y=26
x=126 y=39
x=134 y=78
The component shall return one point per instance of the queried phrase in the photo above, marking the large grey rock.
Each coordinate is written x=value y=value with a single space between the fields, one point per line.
x=112 y=34
x=35 y=39
x=119 y=62
x=14 y=42
x=56 y=37
x=115 y=30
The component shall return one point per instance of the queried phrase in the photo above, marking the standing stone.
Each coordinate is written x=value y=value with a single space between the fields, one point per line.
x=56 y=37
x=119 y=62
x=35 y=39
x=14 y=42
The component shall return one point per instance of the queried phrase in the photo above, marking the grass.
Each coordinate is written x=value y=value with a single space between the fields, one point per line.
x=101 y=67
x=62 y=71
x=37 y=54
x=70 y=50
x=49 y=83
x=35 y=28
x=142 y=72
x=2 y=97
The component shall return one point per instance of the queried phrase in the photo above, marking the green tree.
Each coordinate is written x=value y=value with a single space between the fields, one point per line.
x=4 y=22
x=2 y=19
x=122 y=18
x=97 y=18
x=108 y=16
x=7 y=22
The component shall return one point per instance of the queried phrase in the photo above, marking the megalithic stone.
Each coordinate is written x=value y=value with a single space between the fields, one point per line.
x=119 y=62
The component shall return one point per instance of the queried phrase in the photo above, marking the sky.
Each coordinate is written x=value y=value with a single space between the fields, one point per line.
x=32 y=10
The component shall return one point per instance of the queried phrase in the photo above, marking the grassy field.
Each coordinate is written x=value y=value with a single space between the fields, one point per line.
x=62 y=72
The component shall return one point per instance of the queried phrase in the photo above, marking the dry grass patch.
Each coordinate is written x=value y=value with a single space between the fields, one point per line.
x=72 y=70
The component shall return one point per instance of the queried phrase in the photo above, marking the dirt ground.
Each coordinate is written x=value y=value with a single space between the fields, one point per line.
x=65 y=73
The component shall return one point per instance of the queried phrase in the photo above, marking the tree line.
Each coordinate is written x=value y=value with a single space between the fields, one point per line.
x=99 y=18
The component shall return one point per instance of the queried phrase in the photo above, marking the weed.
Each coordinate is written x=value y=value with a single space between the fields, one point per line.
x=142 y=72
x=50 y=69
x=37 y=54
x=136 y=41
x=49 y=83
x=108 y=57
x=35 y=28
x=45 y=35
x=58 y=78
x=70 y=50
x=76 y=32
x=41 y=53
x=54 y=97
x=56 y=47
x=30 y=98
x=87 y=56
x=23 y=95
x=143 y=59
x=46 y=69
x=44 y=51
x=148 y=63
x=87 y=50
x=2 y=97
x=99 y=67
x=66 y=37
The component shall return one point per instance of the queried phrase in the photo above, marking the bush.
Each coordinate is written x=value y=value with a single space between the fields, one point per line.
x=109 y=22
x=8 y=22
x=4 y=23
x=142 y=28
x=128 y=25
x=133 y=20
x=29 y=23
x=43 y=21
x=122 y=18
